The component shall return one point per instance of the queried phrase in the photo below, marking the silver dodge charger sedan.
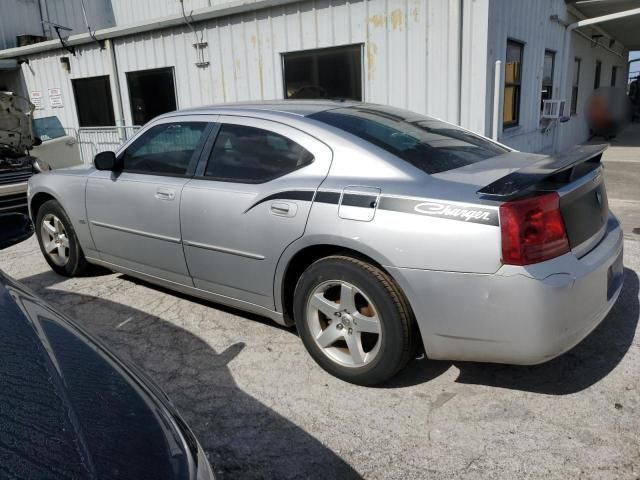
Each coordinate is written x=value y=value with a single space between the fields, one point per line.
x=378 y=232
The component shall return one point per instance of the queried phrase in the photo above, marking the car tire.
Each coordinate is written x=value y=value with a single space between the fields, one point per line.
x=363 y=309
x=66 y=256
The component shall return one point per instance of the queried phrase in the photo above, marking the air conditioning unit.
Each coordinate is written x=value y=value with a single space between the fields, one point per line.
x=553 y=109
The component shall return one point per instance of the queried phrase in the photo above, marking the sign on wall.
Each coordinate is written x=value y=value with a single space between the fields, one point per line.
x=55 y=97
x=36 y=98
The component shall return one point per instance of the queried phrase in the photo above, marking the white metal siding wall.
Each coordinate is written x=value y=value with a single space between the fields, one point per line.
x=45 y=71
x=577 y=130
x=529 y=21
x=526 y=21
x=474 y=110
x=409 y=52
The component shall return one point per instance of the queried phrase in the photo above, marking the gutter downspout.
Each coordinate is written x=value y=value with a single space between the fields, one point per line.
x=567 y=51
x=496 y=125
x=115 y=87
x=460 y=52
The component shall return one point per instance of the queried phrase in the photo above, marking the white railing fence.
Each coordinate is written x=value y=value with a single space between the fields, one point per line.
x=93 y=140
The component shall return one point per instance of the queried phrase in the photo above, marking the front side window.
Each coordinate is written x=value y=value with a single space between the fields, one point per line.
x=252 y=155
x=614 y=75
x=547 y=77
x=165 y=149
x=596 y=81
x=574 y=86
x=512 y=84
x=431 y=145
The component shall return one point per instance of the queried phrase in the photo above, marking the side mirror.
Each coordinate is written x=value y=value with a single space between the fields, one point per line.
x=105 y=161
x=14 y=228
x=37 y=141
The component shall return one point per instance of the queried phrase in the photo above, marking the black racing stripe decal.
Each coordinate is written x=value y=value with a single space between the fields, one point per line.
x=429 y=208
x=327 y=197
x=355 y=200
x=306 y=195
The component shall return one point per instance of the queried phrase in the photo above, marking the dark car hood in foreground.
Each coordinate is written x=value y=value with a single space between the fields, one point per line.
x=69 y=409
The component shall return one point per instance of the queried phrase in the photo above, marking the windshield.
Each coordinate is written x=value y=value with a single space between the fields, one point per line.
x=431 y=145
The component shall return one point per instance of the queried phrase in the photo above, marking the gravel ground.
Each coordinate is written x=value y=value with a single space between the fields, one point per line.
x=262 y=409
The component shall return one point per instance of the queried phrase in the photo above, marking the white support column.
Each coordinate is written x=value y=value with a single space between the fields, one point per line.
x=497 y=100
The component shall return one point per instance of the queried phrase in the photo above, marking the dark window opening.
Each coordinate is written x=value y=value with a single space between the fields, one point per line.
x=512 y=84
x=574 y=86
x=431 y=145
x=165 y=149
x=614 y=75
x=548 y=71
x=93 y=101
x=253 y=155
x=325 y=73
x=596 y=82
x=151 y=93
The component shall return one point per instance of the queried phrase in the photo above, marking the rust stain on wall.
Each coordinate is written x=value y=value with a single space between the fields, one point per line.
x=376 y=20
x=396 y=18
x=372 y=50
x=254 y=40
x=415 y=14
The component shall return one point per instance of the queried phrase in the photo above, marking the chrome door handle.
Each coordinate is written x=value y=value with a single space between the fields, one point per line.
x=283 y=209
x=165 y=194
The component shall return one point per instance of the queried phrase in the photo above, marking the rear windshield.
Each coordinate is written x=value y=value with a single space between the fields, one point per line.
x=428 y=144
x=48 y=128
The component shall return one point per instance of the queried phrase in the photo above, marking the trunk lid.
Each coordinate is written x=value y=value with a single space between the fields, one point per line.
x=576 y=175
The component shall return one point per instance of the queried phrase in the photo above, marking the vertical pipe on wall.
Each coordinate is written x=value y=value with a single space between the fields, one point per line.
x=460 y=51
x=497 y=101
x=115 y=87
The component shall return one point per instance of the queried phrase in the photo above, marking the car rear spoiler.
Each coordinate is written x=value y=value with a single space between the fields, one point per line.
x=519 y=182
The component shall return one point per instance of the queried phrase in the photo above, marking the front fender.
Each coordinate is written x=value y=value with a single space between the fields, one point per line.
x=69 y=191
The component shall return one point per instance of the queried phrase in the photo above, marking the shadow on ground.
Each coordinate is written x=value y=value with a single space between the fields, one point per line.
x=245 y=438
x=586 y=364
x=242 y=437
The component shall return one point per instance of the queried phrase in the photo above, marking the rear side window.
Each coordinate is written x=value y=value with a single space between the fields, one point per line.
x=252 y=155
x=428 y=144
x=165 y=149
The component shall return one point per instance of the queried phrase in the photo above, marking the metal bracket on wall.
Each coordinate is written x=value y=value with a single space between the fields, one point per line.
x=200 y=46
x=64 y=44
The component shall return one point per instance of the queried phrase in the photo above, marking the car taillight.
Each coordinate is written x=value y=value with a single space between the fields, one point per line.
x=532 y=230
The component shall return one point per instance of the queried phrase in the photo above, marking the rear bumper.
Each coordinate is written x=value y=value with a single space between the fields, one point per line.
x=519 y=315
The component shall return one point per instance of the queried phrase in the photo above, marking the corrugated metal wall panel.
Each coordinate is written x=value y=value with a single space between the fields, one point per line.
x=245 y=52
x=529 y=21
x=45 y=71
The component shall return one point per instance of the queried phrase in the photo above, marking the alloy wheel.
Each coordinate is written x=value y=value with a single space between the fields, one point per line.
x=55 y=240
x=344 y=323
